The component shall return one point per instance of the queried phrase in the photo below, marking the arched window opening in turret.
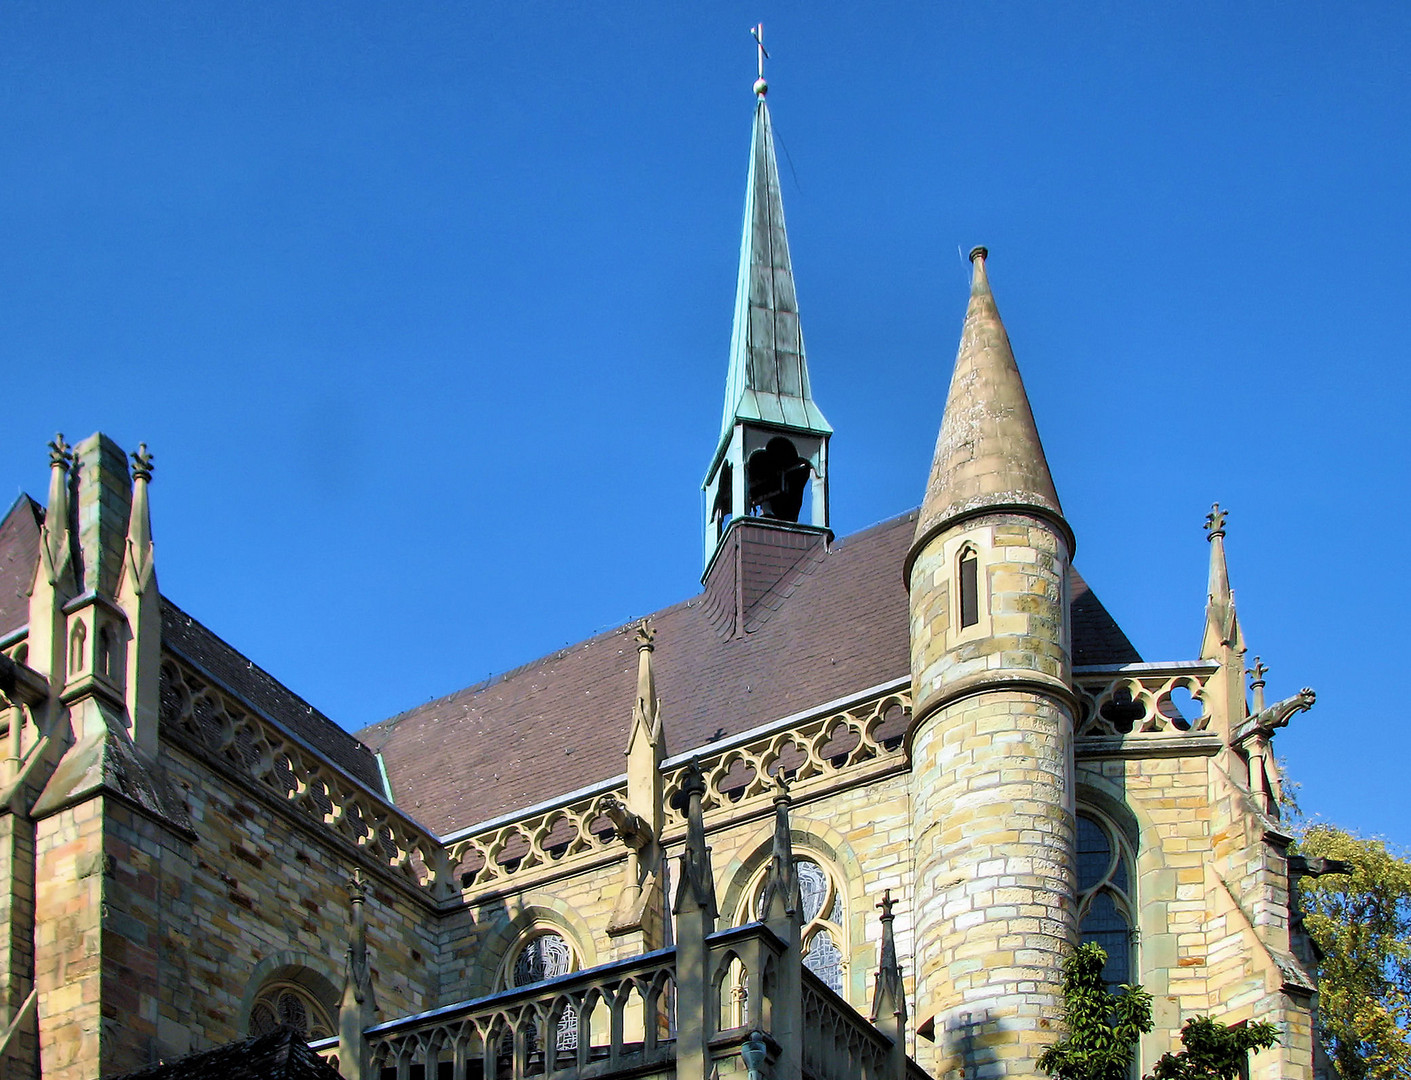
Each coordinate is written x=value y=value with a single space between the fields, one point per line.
x=720 y=512
x=78 y=637
x=778 y=480
x=968 y=584
x=1105 y=901
x=107 y=657
x=544 y=954
x=286 y=1002
x=822 y=937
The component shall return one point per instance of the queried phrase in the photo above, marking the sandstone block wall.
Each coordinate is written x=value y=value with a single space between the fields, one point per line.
x=1210 y=892
x=1022 y=607
x=259 y=892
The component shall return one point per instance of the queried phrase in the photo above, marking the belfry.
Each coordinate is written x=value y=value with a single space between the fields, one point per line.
x=766 y=491
x=662 y=851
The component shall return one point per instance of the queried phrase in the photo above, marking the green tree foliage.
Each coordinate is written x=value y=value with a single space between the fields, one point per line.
x=1362 y=923
x=1103 y=1027
x=1213 y=1051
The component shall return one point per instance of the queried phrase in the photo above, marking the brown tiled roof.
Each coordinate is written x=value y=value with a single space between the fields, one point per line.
x=19 y=552
x=561 y=722
x=192 y=641
x=280 y=1055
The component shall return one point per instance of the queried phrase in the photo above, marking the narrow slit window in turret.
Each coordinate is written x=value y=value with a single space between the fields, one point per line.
x=969 y=588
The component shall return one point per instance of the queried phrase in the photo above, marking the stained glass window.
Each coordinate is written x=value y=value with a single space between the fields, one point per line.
x=293 y=1006
x=822 y=919
x=1105 y=894
x=547 y=956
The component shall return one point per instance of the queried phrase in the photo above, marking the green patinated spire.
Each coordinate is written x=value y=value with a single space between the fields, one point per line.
x=768 y=377
x=770 y=465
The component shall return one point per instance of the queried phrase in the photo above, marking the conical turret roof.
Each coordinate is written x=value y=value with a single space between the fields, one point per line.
x=988 y=455
x=768 y=377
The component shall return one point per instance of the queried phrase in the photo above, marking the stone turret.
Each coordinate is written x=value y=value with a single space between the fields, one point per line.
x=992 y=733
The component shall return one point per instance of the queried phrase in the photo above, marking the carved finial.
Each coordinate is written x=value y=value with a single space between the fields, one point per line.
x=1257 y=672
x=645 y=636
x=357 y=987
x=60 y=453
x=889 y=994
x=781 y=787
x=1215 y=521
x=693 y=782
x=141 y=463
x=757 y=32
x=886 y=904
x=781 y=897
x=696 y=891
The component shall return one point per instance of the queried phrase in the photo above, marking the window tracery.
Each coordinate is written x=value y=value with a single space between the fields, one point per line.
x=292 y=1005
x=1105 y=907
x=546 y=955
x=822 y=937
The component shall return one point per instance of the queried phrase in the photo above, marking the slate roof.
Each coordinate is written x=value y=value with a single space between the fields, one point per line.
x=837 y=624
x=19 y=553
x=561 y=722
x=279 y=1055
x=189 y=639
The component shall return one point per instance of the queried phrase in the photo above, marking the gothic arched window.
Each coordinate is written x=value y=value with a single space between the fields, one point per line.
x=1105 y=908
x=289 y=1003
x=822 y=937
x=546 y=954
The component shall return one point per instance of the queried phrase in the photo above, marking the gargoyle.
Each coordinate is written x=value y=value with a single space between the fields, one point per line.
x=1275 y=716
x=632 y=828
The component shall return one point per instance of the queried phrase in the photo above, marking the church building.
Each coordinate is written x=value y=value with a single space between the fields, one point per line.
x=840 y=814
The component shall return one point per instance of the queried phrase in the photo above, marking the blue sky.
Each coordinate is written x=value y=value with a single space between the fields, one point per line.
x=424 y=309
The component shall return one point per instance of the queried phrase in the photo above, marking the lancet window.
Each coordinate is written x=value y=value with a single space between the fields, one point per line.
x=1105 y=907
x=968 y=580
x=288 y=1003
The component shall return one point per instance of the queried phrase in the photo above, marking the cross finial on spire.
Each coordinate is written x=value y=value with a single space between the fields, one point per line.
x=1257 y=672
x=886 y=904
x=757 y=32
x=1215 y=521
x=142 y=463
x=60 y=453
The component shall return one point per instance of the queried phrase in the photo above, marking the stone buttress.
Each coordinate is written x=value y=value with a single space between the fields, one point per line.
x=95 y=844
x=992 y=734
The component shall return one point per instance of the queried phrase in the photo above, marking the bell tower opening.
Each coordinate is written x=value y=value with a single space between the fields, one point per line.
x=778 y=480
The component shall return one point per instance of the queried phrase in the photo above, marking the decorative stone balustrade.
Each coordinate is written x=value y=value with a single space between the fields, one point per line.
x=216 y=725
x=864 y=737
x=621 y=1018
x=539 y=838
x=839 y=1043
x=598 y=1021
x=1144 y=698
